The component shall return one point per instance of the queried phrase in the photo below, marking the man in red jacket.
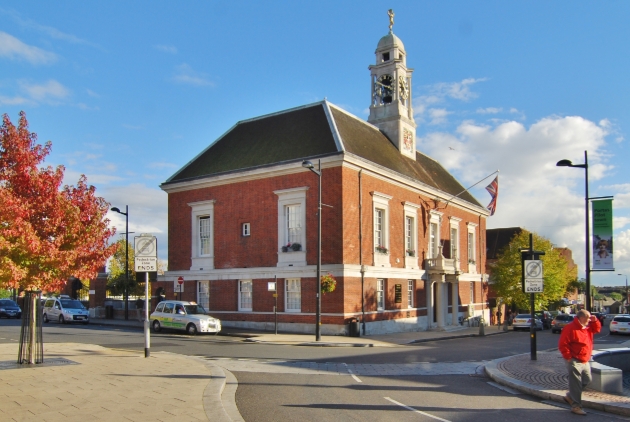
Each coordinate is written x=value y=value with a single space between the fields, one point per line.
x=576 y=346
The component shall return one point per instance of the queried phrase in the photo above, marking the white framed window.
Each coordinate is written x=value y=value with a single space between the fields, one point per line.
x=410 y=293
x=472 y=292
x=245 y=295
x=380 y=294
x=454 y=250
x=292 y=226
x=379 y=238
x=205 y=235
x=203 y=294
x=411 y=252
x=472 y=247
x=202 y=235
x=292 y=295
x=293 y=220
x=409 y=233
x=380 y=212
x=246 y=229
x=434 y=234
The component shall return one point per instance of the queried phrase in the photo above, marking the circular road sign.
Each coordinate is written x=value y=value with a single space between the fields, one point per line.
x=180 y=280
x=533 y=269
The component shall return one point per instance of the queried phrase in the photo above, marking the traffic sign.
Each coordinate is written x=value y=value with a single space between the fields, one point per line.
x=533 y=269
x=145 y=264
x=533 y=286
x=533 y=276
x=145 y=246
x=178 y=285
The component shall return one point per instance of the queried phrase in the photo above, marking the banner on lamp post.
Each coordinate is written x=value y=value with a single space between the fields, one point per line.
x=602 y=235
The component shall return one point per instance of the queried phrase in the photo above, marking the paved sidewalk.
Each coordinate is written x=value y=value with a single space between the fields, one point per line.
x=79 y=382
x=546 y=378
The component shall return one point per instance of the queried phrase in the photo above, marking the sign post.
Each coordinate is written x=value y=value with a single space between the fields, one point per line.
x=532 y=283
x=179 y=286
x=273 y=287
x=145 y=247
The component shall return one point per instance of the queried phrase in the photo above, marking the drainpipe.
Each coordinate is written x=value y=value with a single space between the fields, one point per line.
x=361 y=253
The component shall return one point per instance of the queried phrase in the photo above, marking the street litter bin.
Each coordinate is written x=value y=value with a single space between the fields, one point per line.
x=109 y=312
x=353 y=328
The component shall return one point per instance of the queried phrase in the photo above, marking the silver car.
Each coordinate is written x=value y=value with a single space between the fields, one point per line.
x=181 y=315
x=523 y=322
x=64 y=309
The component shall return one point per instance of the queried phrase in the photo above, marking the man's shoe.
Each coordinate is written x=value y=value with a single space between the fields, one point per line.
x=578 y=411
x=568 y=399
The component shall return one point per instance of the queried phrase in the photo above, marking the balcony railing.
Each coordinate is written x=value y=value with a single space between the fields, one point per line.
x=441 y=265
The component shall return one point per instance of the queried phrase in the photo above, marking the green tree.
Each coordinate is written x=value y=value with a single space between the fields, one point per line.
x=616 y=296
x=506 y=272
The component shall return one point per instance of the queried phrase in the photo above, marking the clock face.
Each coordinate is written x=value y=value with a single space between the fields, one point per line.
x=384 y=89
x=407 y=139
x=403 y=88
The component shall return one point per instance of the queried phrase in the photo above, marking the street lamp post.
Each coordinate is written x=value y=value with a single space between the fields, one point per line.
x=568 y=163
x=318 y=309
x=126 y=214
x=626 y=291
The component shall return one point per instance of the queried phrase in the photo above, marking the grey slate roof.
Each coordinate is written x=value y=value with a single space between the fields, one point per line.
x=306 y=132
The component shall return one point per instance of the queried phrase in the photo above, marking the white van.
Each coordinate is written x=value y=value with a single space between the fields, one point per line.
x=63 y=309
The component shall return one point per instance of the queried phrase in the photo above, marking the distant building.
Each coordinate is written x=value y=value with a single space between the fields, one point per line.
x=403 y=242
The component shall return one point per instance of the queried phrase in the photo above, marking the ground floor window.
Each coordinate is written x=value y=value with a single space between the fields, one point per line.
x=410 y=293
x=293 y=295
x=380 y=294
x=245 y=295
x=203 y=294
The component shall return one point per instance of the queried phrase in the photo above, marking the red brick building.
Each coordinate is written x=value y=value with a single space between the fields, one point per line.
x=243 y=213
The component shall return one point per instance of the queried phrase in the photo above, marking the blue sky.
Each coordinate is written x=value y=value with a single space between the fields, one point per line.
x=128 y=92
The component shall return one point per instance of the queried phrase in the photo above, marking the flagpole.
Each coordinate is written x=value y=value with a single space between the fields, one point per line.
x=467 y=189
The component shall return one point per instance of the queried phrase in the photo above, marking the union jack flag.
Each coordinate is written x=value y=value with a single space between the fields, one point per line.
x=493 y=190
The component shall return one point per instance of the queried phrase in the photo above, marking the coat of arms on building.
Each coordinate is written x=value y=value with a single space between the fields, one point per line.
x=407 y=139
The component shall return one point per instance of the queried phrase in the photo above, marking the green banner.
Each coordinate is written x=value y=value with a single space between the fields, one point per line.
x=602 y=235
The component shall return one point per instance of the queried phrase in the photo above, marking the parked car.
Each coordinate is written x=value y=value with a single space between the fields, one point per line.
x=560 y=321
x=182 y=315
x=545 y=317
x=64 y=310
x=9 y=309
x=523 y=322
x=600 y=316
x=620 y=324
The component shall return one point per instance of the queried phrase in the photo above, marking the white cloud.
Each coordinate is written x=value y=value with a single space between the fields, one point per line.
x=439 y=93
x=489 y=110
x=48 y=30
x=438 y=115
x=14 y=49
x=49 y=91
x=533 y=192
x=162 y=165
x=92 y=93
x=186 y=75
x=166 y=48
x=84 y=106
x=148 y=212
x=13 y=101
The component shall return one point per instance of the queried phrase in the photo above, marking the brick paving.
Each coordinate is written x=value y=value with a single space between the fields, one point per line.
x=549 y=372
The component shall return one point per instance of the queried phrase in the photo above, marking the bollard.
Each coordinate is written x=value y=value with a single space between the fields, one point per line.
x=505 y=325
x=482 y=328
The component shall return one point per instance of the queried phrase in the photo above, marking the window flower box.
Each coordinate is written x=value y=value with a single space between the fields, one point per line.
x=410 y=252
x=381 y=249
x=292 y=247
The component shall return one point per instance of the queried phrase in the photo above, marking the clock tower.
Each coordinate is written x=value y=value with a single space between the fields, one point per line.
x=391 y=109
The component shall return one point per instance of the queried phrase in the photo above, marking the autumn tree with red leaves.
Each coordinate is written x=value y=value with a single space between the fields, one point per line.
x=48 y=232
